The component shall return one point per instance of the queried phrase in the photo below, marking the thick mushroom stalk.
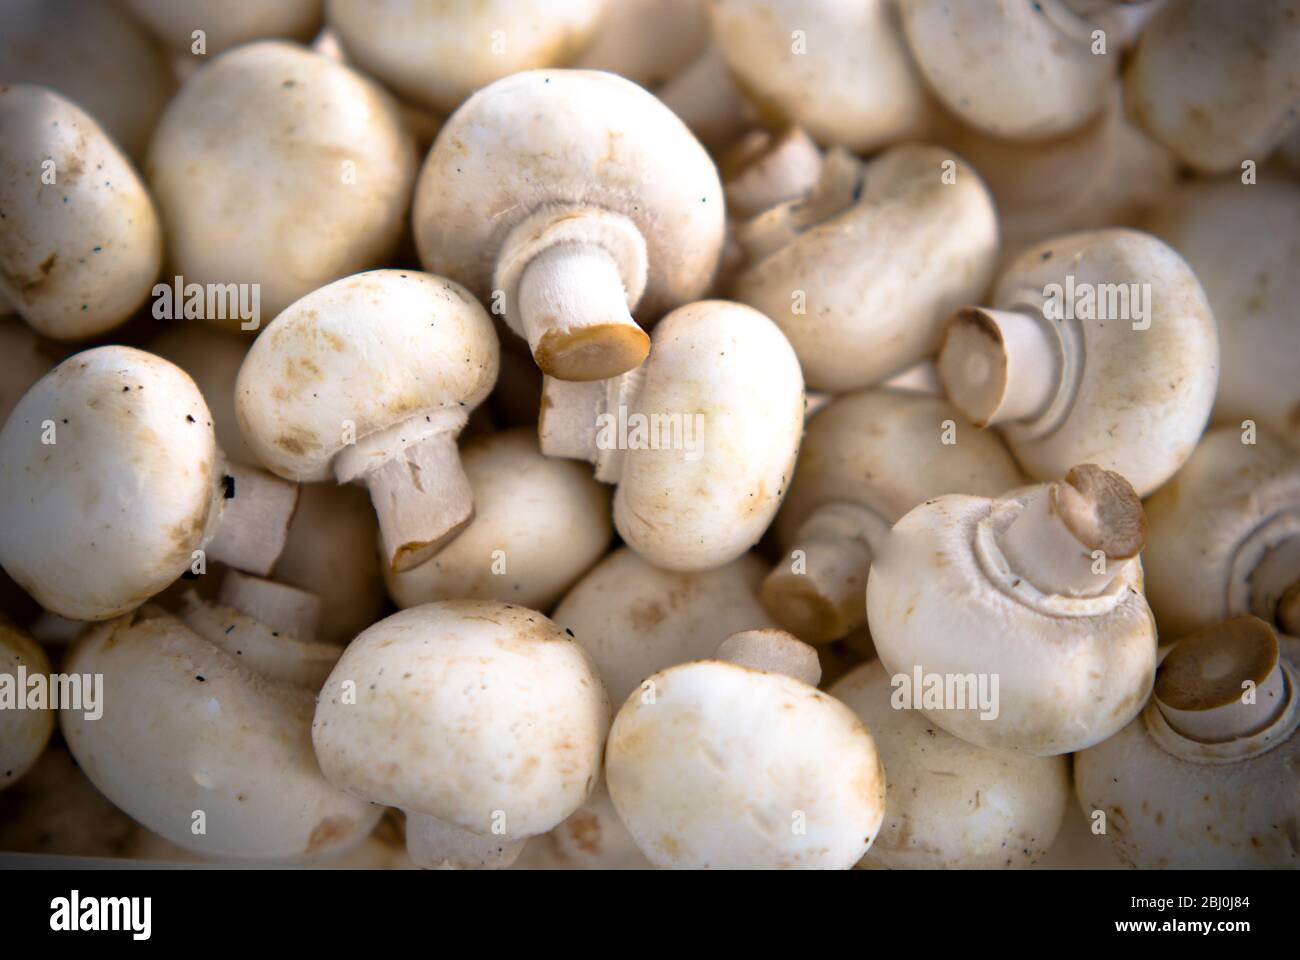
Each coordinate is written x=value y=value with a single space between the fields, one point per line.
x=1000 y=366
x=283 y=608
x=772 y=651
x=1223 y=683
x=255 y=510
x=1275 y=586
x=765 y=169
x=825 y=597
x=1075 y=537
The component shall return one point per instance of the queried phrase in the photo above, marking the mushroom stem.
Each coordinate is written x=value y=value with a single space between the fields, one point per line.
x=255 y=510
x=1073 y=538
x=772 y=651
x=825 y=598
x=436 y=844
x=279 y=606
x=1288 y=611
x=1223 y=683
x=571 y=426
x=575 y=314
x=763 y=170
x=1275 y=586
x=999 y=366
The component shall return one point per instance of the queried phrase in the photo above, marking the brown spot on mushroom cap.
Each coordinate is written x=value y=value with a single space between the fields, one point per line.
x=1103 y=510
x=329 y=832
x=1207 y=669
x=584 y=828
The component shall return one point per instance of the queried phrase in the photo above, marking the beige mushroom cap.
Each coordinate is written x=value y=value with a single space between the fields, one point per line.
x=539 y=524
x=24 y=730
x=188 y=727
x=721 y=766
x=82 y=243
x=853 y=82
x=228 y=23
x=951 y=805
x=282 y=168
x=212 y=357
x=650 y=42
x=110 y=512
x=471 y=712
x=437 y=54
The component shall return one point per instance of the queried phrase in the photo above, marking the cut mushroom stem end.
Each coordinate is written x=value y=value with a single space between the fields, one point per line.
x=279 y=606
x=1222 y=683
x=436 y=844
x=772 y=651
x=999 y=366
x=574 y=310
x=1075 y=536
x=255 y=510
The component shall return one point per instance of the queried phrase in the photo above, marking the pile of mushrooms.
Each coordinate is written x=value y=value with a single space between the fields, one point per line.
x=630 y=434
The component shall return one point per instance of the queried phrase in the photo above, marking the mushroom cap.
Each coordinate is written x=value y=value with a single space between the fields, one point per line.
x=24 y=731
x=1165 y=811
x=732 y=383
x=226 y=24
x=110 y=513
x=89 y=52
x=594 y=838
x=882 y=276
x=1200 y=521
x=635 y=619
x=437 y=54
x=732 y=768
x=539 y=524
x=884 y=449
x=1064 y=682
x=212 y=357
x=79 y=255
x=331 y=552
x=1013 y=70
x=280 y=167
x=554 y=138
x=1144 y=395
x=1243 y=241
x=854 y=84
x=1215 y=87
x=376 y=349
x=23 y=361
x=650 y=42
x=463 y=711
x=951 y=805
x=188 y=727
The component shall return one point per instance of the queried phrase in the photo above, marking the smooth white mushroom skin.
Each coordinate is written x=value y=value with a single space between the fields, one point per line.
x=23 y=361
x=592 y=838
x=951 y=805
x=841 y=71
x=24 y=730
x=719 y=766
x=278 y=167
x=863 y=273
x=539 y=524
x=371 y=378
x=1021 y=70
x=188 y=727
x=82 y=243
x=212 y=357
x=226 y=24
x=395 y=725
x=1218 y=89
x=648 y=41
x=1070 y=669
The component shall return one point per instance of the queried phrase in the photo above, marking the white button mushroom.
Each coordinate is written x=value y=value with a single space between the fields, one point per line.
x=1243 y=241
x=209 y=743
x=1101 y=348
x=950 y=805
x=278 y=167
x=1026 y=611
x=701 y=457
x=226 y=24
x=840 y=70
x=483 y=721
x=1225 y=535
x=1216 y=87
x=437 y=54
x=539 y=524
x=23 y=361
x=647 y=41
x=25 y=727
x=81 y=244
x=212 y=357
x=570 y=199
x=866 y=460
x=862 y=273
x=89 y=52
x=114 y=449
x=1207 y=776
x=739 y=763
x=1018 y=69
x=371 y=379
